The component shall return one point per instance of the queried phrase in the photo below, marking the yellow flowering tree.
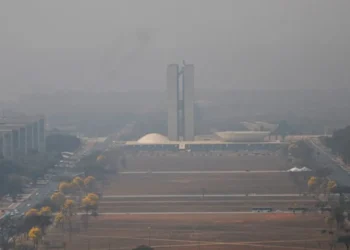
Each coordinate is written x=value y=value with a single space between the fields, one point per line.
x=331 y=185
x=93 y=196
x=312 y=183
x=32 y=212
x=35 y=235
x=79 y=182
x=90 y=184
x=58 y=199
x=59 y=219
x=46 y=211
x=65 y=187
x=69 y=207
x=89 y=203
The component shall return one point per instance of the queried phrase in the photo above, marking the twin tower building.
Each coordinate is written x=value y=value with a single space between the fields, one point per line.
x=180 y=90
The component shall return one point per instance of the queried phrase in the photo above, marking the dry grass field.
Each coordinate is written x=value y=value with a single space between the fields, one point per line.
x=202 y=161
x=132 y=214
x=238 y=183
x=208 y=204
x=206 y=232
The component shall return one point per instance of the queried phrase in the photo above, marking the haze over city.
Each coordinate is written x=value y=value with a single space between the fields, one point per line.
x=100 y=46
x=183 y=124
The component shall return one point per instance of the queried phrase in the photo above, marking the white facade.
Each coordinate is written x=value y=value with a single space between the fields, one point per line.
x=173 y=97
x=188 y=106
x=18 y=136
x=243 y=136
x=180 y=102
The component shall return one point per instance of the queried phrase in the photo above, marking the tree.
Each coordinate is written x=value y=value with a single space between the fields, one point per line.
x=58 y=198
x=94 y=168
x=69 y=207
x=36 y=218
x=114 y=158
x=15 y=185
x=36 y=164
x=59 y=219
x=7 y=168
x=47 y=202
x=7 y=231
x=45 y=218
x=32 y=212
x=32 y=219
x=101 y=158
x=46 y=211
x=62 y=143
x=79 y=182
x=340 y=143
x=93 y=197
x=312 y=183
x=89 y=203
x=67 y=188
x=283 y=129
x=301 y=151
x=35 y=235
x=90 y=184
x=331 y=186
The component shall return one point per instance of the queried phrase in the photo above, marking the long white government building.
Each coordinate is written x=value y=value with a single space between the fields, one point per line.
x=22 y=134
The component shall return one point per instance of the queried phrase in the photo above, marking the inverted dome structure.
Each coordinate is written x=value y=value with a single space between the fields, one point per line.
x=260 y=126
x=243 y=136
x=153 y=138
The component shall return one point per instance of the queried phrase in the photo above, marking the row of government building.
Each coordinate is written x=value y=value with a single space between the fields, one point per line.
x=21 y=134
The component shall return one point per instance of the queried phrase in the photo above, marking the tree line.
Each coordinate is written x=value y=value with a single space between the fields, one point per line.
x=25 y=170
x=339 y=143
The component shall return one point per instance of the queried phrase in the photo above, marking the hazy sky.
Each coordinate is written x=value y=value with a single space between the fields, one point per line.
x=119 y=45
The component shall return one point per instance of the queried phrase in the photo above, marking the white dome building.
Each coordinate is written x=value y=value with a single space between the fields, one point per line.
x=153 y=139
x=243 y=136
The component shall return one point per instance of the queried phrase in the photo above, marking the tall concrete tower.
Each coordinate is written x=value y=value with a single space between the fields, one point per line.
x=180 y=102
x=188 y=100
x=173 y=101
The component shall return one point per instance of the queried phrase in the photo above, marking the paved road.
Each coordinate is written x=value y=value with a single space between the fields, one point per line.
x=42 y=192
x=205 y=172
x=339 y=174
x=190 y=212
x=198 y=195
x=204 y=201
